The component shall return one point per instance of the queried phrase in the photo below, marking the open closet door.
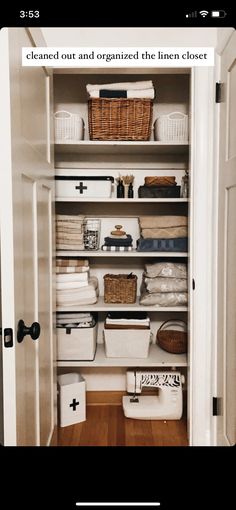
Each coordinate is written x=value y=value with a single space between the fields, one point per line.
x=26 y=194
x=226 y=330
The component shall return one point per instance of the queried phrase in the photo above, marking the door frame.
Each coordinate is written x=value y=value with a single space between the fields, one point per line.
x=7 y=260
x=215 y=241
x=201 y=256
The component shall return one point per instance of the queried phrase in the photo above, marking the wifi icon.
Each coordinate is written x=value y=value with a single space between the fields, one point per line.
x=204 y=13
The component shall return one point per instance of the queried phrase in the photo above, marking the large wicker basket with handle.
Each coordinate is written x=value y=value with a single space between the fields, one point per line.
x=172 y=340
x=120 y=288
x=120 y=119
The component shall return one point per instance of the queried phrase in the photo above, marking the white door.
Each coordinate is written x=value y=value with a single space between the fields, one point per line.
x=26 y=246
x=226 y=330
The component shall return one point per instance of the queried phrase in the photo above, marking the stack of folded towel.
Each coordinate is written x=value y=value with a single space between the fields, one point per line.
x=129 y=90
x=69 y=232
x=118 y=240
x=113 y=243
x=164 y=284
x=73 y=285
x=163 y=233
x=127 y=320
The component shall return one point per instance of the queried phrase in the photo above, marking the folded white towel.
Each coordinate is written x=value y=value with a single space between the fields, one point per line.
x=131 y=94
x=72 y=277
x=133 y=85
x=70 y=285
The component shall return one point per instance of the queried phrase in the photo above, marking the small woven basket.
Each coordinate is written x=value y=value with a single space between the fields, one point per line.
x=120 y=119
x=120 y=288
x=172 y=340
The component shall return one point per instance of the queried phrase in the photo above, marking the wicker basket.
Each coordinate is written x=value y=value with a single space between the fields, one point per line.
x=172 y=340
x=120 y=288
x=120 y=119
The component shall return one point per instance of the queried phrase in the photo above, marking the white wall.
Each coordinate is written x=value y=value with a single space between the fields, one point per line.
x=131 y=36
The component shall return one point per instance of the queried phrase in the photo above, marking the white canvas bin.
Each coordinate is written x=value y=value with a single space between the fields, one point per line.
x=76 y=344
x=127 y=343
x=73 y=186
x=72 y=399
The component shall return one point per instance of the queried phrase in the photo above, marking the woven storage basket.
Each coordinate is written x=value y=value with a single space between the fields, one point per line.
x=120 y=119
x=120 y=288
x=172 y=340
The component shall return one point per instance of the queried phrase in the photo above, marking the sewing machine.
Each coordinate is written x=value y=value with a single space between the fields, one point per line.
x=167 y=405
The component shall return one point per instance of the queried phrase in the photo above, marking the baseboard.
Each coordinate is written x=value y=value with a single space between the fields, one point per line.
x=111 y=398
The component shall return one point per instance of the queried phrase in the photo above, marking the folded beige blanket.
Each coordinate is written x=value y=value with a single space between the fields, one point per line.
x=70 y=217
x=162 y=221
x=69 y=230
x=65 y=262
x=67 y=246
x=68 y=236
x=164 y=233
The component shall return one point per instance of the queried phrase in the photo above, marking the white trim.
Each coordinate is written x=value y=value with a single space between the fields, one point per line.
x=201 y=300
x=7 y=260
x=215 y=211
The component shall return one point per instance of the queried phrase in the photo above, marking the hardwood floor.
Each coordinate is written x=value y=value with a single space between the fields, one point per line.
x=106 y=425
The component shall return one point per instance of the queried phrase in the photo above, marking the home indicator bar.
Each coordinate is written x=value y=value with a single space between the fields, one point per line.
x=128 y=504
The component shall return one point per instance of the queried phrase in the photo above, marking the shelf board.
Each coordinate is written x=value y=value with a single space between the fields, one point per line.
x=100 y=306
x=157 y=358
x=123 y=200
x=134 y=253
x=121 y=147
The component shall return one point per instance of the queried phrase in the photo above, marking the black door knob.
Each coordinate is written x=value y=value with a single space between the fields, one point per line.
x=23 y=330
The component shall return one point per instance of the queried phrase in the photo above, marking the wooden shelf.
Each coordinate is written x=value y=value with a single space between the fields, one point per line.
x=124 y=200
x=157 y=358
x=134 y=253
x=121 y=147
x=100 y=306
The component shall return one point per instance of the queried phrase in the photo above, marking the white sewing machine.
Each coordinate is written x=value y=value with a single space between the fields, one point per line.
x=167 y=405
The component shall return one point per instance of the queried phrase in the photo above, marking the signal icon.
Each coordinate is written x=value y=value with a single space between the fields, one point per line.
x=191 y=15
x=203 y=13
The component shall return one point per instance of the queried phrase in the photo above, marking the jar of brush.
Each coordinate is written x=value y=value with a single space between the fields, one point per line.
x=128 y=186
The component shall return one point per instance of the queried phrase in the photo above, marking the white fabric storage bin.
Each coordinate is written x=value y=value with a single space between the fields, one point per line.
x=72 y=389
x=76 y=344
x=171 y=128
x=72 y=186
x=127 y=343
x=68 y=127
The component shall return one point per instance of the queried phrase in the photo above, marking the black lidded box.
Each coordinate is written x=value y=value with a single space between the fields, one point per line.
x=159 y=191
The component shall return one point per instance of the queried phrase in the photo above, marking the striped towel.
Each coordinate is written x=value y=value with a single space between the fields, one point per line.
x=71 y=270
x=65 y=262
x=116 y=248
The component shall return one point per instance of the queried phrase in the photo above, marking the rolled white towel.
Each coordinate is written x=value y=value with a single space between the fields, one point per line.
x=131 y=94
x=133 y=85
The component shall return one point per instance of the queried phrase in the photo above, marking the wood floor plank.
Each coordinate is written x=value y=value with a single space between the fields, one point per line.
x=106 y=425
x=95 y=430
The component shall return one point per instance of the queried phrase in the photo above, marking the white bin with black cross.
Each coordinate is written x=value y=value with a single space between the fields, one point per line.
x=72 y=388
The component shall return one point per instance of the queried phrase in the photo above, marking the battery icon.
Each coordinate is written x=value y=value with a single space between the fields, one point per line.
x=218 y=14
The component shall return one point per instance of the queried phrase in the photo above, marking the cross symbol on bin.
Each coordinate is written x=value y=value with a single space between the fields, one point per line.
x=74 y=404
